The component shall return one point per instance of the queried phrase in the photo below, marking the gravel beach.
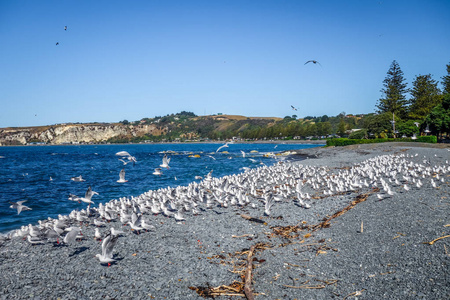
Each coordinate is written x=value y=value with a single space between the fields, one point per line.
x=348 y=245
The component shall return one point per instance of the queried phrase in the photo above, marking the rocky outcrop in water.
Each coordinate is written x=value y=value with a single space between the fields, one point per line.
x=75 y=133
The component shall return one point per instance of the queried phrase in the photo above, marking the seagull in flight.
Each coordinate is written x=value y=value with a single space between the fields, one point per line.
x=65 y=27
x=223 y=146
x=157 y=172
x=128 y=156
x=19 y=206
x=87 y=197
x=313 y=61
x=293 y=107
x=122 y=176
x=165 y=162
x=107 y=249
x=77 y=179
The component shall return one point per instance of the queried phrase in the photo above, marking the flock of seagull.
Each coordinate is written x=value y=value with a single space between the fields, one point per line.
x=261 y=187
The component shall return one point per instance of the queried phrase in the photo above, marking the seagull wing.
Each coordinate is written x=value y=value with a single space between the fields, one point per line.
x=88 y=194
x=122 y=174
x=108 y=244
x=123 y=153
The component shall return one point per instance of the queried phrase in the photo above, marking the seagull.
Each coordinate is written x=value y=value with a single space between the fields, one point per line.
x=65 y=27
x=157 y=172
x=128 y=156
x=243 y=153
x=293 y=107
x=124 y=162
x=19 y=206
x=97 y=235
x=107 y=249
x=34 y=240
x=87 y=197
x=115 y=232
x=71 y=236
x=313 y=61
x=122 y=176
x=99 y=223
x=223 y=146
x=165 y=162
x=57 y=43
x=77 y=179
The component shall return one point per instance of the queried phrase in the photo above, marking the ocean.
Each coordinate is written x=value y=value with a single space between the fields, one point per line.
x=26 y=173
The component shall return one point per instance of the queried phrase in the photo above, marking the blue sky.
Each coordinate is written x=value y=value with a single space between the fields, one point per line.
x=135 y=59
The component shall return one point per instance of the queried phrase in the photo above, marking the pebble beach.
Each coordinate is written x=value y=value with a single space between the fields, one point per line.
x=322 y=238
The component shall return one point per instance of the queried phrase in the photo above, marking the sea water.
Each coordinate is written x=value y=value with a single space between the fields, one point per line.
x=41 y=175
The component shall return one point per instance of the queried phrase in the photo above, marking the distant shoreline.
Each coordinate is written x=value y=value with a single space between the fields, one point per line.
x=304 y=142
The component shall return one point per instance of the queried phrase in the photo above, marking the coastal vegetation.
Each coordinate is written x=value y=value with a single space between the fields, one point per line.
x=426 y=112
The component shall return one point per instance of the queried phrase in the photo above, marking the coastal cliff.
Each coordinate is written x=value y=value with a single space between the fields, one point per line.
x=75 y=133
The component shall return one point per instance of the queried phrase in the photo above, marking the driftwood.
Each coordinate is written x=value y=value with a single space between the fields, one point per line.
x=248 y=275
x=435 y=240
x=326 y=222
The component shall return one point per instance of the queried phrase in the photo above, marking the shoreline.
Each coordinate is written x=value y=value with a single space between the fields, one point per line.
x=375 y=248
x=312 y=142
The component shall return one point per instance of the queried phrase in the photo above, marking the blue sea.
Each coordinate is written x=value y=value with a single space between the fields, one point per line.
x=26 y=172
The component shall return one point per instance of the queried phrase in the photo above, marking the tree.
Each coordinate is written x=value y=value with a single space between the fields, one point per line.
x=341 y=128
x=394 y=90
x=380 y=125
x=439 y=118
x=446 y=81
x=425 y=95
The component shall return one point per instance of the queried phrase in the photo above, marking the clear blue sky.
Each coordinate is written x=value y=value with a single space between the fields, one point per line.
x=135 y=59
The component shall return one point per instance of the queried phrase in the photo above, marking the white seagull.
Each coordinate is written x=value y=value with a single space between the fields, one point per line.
x=87 y=197
x=157 y=172
x=77 y=179
x=107 y=249
x=122 y=176
x=223 y=146
x=165 y=162
x=19 y=206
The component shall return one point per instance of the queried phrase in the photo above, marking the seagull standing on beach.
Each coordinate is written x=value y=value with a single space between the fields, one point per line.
x=122 y=176
x=71 y=236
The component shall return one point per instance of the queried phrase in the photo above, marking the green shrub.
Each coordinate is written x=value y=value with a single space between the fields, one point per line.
x=360 y=134
x=427 y=139
x=346 y=142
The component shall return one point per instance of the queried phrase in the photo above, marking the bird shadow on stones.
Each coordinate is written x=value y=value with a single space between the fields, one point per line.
x=78 y=251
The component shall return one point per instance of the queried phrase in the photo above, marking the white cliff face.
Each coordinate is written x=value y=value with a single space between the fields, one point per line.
x=73 y=133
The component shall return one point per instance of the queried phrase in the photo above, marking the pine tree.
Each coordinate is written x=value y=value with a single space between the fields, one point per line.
x=425 y=95
x=394 y=90
x=446 y=81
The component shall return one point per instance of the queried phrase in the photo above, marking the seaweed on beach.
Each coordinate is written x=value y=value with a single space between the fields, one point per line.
x=242 y=263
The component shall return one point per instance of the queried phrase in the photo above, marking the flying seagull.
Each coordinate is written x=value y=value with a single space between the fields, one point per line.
x=223 y=146
x=19 y=206
x=313 y=61
x=122 y=176
x=107 y=249
x=165 y=162
x=57 y=43
x=293 y=107
x=65 y=27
